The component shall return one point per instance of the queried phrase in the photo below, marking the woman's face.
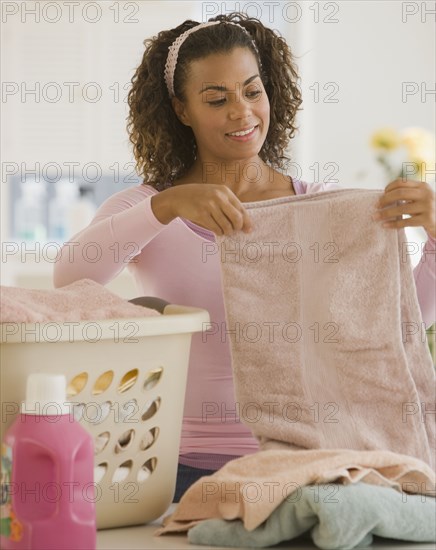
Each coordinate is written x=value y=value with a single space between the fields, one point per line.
x=224 y=94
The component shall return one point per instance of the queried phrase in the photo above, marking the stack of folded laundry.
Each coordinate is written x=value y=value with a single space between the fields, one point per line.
x=343 y=496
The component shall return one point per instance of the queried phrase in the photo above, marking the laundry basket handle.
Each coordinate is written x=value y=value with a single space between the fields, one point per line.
x=151 y=302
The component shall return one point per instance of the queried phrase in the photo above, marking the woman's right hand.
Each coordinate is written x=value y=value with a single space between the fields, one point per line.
x=212 y=206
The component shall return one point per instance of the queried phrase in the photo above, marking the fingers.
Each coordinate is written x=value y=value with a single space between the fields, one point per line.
x=247 y=225
x=414 y=221
x=403 y=190
x=410 y=198
x=406 y=195
x=219 y=210
x=403 y=208
x=403 y=183
x=228 y=224
x=242 y=221
x=392 y=217
x=223 y=225
x=237 y=215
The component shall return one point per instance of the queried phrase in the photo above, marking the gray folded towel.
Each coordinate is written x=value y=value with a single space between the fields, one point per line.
x=337 y=516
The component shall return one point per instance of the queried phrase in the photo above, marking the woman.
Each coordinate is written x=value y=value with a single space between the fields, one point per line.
x=212 y=108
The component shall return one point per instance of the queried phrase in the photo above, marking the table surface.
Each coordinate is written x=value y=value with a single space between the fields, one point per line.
x=141 y=537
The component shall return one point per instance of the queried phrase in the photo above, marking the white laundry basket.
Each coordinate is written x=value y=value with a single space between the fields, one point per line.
x=127 y=379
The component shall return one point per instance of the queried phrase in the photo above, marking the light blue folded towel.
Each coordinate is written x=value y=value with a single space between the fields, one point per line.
x=339 y=517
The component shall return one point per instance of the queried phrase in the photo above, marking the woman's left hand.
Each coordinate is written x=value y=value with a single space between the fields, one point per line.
x=419 y=203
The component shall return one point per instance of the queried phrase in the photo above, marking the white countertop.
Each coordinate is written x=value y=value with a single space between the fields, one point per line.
x=141 y=537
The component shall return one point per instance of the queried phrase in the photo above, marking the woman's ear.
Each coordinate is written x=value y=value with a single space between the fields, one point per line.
x=179 y=109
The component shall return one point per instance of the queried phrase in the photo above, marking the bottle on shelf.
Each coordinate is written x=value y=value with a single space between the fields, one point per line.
x=66 y=194
x=47 y=483
x=30 y=212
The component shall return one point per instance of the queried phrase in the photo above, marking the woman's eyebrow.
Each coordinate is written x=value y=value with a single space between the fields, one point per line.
x=223 y=88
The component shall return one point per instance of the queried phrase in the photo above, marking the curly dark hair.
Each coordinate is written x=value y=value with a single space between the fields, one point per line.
x=164 y=148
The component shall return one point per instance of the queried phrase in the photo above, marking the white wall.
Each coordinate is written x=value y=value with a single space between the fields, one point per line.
x=367 y=54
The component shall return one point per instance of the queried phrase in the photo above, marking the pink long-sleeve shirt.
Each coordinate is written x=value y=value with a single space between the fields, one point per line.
x=168 y=261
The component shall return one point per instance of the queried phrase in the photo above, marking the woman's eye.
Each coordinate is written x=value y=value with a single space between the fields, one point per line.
x=217 y=103
x=253 y=94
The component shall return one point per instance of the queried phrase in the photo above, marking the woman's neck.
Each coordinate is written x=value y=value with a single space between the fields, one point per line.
x=239 y=176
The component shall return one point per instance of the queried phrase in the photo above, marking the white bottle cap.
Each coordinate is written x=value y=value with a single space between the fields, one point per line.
x=46 y=394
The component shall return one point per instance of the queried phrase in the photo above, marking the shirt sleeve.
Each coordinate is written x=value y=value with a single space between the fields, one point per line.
x=424 y=273
x=121 y=228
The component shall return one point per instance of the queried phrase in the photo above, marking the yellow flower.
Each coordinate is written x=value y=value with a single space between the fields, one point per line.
x=385 y=138
x=420 y=144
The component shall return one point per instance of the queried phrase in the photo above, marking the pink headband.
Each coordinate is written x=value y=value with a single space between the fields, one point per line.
x=173 y=51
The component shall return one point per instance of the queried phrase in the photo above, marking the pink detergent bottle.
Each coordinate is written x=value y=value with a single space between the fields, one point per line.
x=47 y=483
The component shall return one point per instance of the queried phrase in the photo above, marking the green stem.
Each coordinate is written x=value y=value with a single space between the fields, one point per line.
x=391 y=174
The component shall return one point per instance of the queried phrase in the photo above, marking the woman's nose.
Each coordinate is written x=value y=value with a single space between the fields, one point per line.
x=239 y=108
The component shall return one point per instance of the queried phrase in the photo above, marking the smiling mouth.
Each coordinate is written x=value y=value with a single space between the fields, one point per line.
x=243 y=132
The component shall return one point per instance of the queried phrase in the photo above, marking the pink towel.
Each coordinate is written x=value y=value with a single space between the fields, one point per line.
x=251 y=487
x=81 y=300
x=328 y=345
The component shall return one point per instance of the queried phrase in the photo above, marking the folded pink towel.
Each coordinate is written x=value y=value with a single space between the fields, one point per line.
x=81 y=300
x=251 y=487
